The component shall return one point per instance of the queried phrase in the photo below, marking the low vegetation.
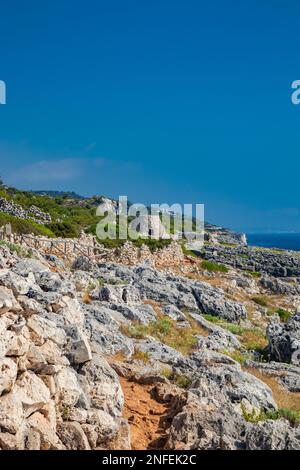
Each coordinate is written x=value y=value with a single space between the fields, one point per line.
x=253 y=339
x=188 y=252
x=141 y=356
x=232 y=327
x=255 y=416
x=180 y=380
x=283 y=314
x=112 y=281
x=239 y=356
x=20 y=250
x=21 y=226
x=214 y=267
x=260 y=300
x=165 y=330
x=284 y=399
x=86 y=298
x=253 y=273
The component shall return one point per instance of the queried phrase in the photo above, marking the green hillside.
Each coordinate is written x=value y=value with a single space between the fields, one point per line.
x=69 y=217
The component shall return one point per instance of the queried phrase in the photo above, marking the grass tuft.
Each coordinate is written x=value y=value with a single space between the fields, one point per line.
x=260 y=300
x=166 y=331
x=214 y=267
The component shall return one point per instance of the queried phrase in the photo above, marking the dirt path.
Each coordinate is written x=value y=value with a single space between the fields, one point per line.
x=147 y=417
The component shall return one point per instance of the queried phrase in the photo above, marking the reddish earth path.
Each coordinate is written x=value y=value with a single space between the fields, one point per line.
x=145 y=415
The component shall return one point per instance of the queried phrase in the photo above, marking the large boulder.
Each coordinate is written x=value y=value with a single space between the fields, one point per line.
x=48 y=281
x=68 y=389
x=71 y=311
x=102 y=384
x=72 y=436
x=18 y=284
x=284 y=340
x=83 y=263
x=43 y=329
x=273 y=435
x=42 y=433
x=7 y=301
x=105 y=425
x=11 y=412
x=159 y=351
x=213 y=302
x=8 y=374
x=32 y=392
x=102 y=327
x=78 y=349
x=118 y=294
x=27 y=266
x=141 y=313
x=279 y=287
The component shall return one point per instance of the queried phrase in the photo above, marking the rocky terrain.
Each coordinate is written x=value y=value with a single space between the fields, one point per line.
x=144 y=355
x=32 y=213
x=277 y=263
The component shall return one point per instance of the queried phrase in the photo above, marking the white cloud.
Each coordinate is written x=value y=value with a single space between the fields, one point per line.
x=48 y=171
x=69 y=173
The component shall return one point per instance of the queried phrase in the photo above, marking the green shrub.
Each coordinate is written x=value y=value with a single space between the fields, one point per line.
x=230 y=245
x=63 y=229
x=252 y=416
x=283 y=314
x=238 y=356
x=211 y=318
x=112 y=281
x=255 y=416
x=253 y=273
x=214 y=267
x=292 y=416
x=232 y=327
x=181 y=380
x=20 y=250
x=135 y=330
x=21 y=226
x=260 y=300
x=235 y=329
x=188 y=252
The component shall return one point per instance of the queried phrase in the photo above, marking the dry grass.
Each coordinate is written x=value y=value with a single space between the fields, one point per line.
x=140 y=356
x=282 y=397
x=118 y=357
x=86 y=298
x=254 y=339
x=166 y=330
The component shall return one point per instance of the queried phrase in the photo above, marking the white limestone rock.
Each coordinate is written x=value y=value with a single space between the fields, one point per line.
x=8 y=374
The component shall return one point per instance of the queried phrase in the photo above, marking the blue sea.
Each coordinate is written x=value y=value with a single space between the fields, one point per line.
x=285 y=241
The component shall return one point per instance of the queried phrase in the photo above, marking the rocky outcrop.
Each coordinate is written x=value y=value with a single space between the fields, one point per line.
x=273 y=435
x=177 y=291
x=284 y=340
x=220 y=235
x=32 y=213
x=67 y=336
x=54 y=394
x=277 y=286
x=273 y=262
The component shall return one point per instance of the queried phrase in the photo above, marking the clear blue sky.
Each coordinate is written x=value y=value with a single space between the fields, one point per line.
x=166 y=101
